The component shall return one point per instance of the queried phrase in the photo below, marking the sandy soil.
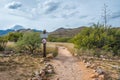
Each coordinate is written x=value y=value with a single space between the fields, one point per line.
x=19 y=67
x=68 y=67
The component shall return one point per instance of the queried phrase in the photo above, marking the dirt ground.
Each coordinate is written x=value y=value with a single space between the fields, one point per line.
x=19 y=67
x=68 y=67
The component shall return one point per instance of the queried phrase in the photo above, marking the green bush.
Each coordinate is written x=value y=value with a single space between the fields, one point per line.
x=98 y=37
x=14 y=36
x=115 y=44
x=29 y=42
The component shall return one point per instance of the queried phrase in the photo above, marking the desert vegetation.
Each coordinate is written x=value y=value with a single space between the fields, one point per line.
x=21 y=55
x=98 y=37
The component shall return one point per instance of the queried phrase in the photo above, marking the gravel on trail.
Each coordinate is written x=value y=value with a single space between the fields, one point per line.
x=68 y=67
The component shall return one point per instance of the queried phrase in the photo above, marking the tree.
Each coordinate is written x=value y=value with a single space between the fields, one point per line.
x=30 y=41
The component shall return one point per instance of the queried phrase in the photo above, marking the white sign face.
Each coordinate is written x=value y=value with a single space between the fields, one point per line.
x=44 y=35
x=44 y=41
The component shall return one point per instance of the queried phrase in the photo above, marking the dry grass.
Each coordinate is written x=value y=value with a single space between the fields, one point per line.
x=19 y=67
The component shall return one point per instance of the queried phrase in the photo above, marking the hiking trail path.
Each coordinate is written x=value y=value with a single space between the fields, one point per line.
x=68 y=67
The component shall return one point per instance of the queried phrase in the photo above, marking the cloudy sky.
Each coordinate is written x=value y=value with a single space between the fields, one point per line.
x=52 y=14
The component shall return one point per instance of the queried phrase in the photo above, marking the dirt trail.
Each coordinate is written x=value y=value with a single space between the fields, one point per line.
x=68 y=67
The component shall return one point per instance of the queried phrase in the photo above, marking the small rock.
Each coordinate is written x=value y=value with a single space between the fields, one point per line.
x=50 y=71
x=87 y=65
x=92 y=66
x=84 y=61
x=99 y=71
x=42 y=73
x=50 y=56
x=101 y=77
x=48 y=66
x=94 y=70
x=42 y=60
x=36 y=73
x=95 y=75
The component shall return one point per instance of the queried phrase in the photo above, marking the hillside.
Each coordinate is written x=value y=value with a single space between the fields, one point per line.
x=66 y=32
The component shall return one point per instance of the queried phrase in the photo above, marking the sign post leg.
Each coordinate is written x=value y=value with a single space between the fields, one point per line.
x=44 y=50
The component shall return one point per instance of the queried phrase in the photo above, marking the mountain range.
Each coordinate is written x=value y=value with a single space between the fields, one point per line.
x=66 y=32
x=17 y=28
x=60 y=32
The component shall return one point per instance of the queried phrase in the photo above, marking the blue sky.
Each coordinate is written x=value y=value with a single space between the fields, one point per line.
x=52 y=14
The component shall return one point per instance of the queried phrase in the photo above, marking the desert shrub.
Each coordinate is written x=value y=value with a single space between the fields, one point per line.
x=14 y=36
x=98 y=37
x=29 y=42
x=3 y=42
x=115 y=43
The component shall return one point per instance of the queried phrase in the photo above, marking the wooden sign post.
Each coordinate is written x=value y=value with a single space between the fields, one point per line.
x=44 y=36
x=44 y=47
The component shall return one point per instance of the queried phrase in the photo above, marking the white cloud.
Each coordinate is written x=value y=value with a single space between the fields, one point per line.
x=14 y=5
x=50 y=14
x=50 y=6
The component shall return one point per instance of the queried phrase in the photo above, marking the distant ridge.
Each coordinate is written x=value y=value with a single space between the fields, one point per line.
x=28 y=30
x=66 y=32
